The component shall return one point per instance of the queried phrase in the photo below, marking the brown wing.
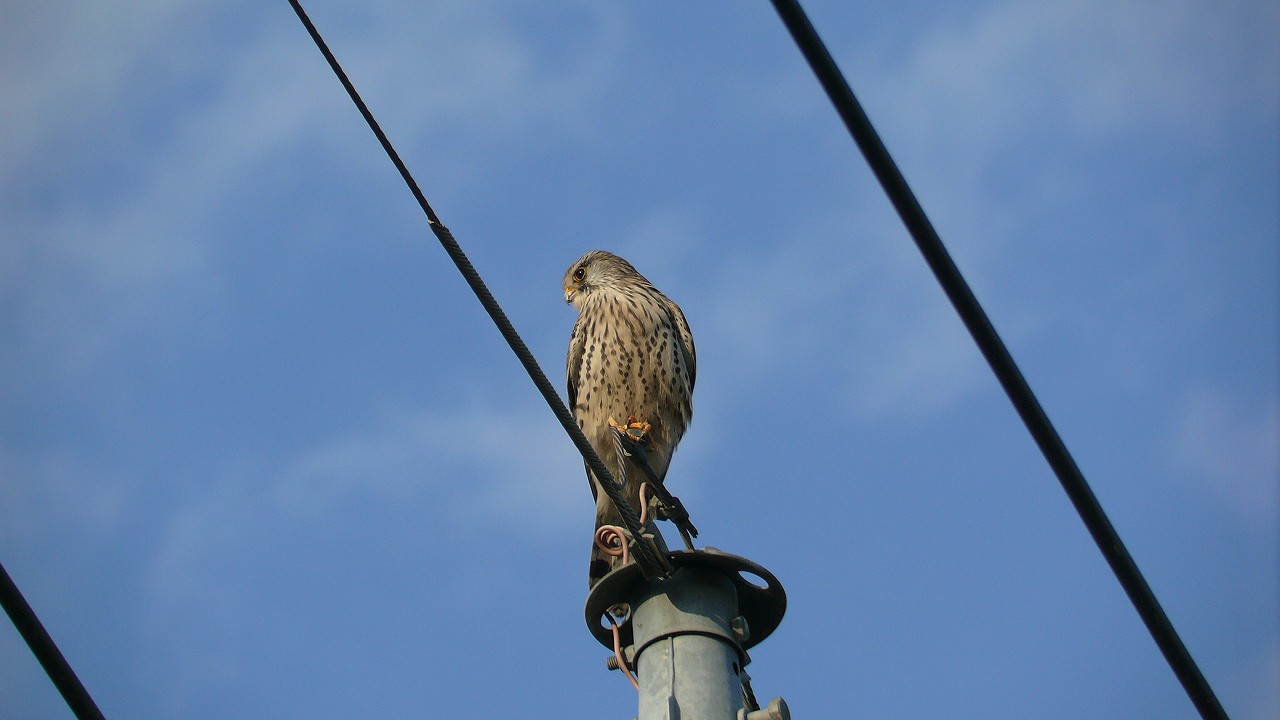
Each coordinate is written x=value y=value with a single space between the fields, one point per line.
x=573 y=366
x=686 y=340
x=573 y=362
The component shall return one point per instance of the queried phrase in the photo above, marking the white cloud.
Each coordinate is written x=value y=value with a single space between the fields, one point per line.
x=1233 y=450
x=965 y=98
x=481 y=469
x=149 y=239
x=480 y=465
x=515 y=467
x=1086 y=68
x=38 y=485
x=844 y=297
x=449 y=80
x=62 y=61
x=661 y=244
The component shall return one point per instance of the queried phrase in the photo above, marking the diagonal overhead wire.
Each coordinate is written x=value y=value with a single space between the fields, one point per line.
x=46 y=651
x=998 y=357
x=648 y=557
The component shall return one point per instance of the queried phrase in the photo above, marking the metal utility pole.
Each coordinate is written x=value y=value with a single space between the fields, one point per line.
x=687 y=635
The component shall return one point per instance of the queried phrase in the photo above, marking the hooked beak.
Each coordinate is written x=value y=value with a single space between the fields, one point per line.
x=568 y=295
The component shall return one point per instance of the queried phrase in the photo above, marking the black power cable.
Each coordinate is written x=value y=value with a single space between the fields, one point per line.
x=43 y=647
x=997 y=355
x=651 y=560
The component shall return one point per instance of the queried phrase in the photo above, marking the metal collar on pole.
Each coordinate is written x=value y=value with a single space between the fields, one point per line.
x=687 y=635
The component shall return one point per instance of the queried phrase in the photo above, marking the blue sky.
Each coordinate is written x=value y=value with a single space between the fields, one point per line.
x=263 y=455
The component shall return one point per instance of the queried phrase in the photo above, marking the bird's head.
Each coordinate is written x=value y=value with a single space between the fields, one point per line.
x=594 y=271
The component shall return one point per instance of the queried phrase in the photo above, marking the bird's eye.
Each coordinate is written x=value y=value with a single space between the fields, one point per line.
x=580 y=273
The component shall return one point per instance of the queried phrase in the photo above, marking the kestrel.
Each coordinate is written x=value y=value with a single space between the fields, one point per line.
x=631 y=366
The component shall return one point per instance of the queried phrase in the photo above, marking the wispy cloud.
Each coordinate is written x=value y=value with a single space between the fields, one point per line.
x=843 y=297
x=472 y=475
x=141 y=137
x=151 y=238
x=514 y=470
x=1086 y=69
x=962 y=101
x=48 y=85
x=37 y=484
x=1233 y=449
x=513 y=467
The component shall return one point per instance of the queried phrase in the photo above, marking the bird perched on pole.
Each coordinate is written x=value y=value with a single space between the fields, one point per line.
x=631 y=369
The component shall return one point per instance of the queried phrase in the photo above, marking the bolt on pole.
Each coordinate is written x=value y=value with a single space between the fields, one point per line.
x=687 y=635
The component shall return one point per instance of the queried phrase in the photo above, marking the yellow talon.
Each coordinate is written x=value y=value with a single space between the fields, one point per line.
x=637 y=430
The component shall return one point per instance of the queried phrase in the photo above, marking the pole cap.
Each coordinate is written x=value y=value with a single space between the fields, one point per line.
x=762 y=606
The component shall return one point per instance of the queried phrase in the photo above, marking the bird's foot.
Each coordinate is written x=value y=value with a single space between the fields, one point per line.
x=636 y=430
